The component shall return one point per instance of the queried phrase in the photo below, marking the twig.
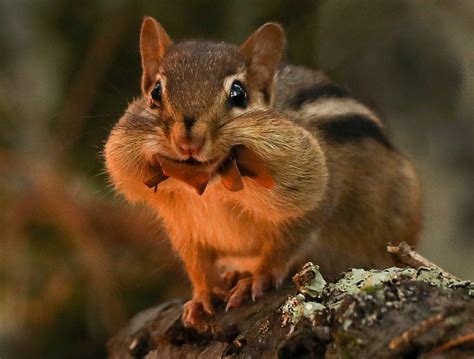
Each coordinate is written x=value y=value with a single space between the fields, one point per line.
x=405 y=338
x=453 y=343
x=406 y=255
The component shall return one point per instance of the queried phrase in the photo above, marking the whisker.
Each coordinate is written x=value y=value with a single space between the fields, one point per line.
x=157 y=123
x=153 y=116
x=263 y=114
x=105 y=192
x=115 y=88
x=104 y=115
x=228 y=130
x=146 y=110
x=101 y=173
x=228 y=122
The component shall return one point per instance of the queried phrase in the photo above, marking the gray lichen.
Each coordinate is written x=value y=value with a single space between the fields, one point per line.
x=309 y=280
x=370 y=281
x=311 y=283
x=296 y=308
x=315 y=295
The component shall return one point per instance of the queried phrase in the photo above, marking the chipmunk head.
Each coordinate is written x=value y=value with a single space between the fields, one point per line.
x=191 y=93
x=194 y=87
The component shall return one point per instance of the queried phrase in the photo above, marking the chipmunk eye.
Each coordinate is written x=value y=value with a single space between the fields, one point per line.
x=156 y=92
x=238 y=95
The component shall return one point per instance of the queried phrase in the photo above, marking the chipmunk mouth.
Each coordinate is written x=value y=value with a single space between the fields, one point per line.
x=191 y=171
x=191 y=161
x=240 y=161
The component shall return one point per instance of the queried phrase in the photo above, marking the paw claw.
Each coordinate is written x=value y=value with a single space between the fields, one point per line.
x=220 y=293
x=193 y=310
x=209 y=309
x=253 y=286
x=230 y=278
x=260 y=284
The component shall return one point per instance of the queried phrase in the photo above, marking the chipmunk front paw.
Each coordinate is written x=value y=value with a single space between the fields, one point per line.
x=254 y=285
x=230 y=278
x=194 y=309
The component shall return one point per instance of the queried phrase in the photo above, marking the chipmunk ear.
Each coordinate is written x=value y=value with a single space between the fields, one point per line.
x=262 y=52
x=153 y=44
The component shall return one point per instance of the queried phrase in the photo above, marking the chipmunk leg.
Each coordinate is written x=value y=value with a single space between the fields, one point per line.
x=200 y=265
x=271 y=271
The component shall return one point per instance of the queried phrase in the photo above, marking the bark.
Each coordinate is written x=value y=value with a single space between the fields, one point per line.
x=398 y=312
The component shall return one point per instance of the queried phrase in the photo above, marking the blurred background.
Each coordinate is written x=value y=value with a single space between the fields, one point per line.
x=76 y=261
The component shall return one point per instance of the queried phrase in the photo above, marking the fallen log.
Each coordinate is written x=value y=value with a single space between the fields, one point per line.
x=419 y=311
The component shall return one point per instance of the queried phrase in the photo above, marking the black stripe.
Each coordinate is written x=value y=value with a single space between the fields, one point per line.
x=314 y=93
x=188 y=123
x=353 y=128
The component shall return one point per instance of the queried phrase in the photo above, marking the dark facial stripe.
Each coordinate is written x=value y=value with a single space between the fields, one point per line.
x=314 y=93
x=188 y=122
x=353 y=128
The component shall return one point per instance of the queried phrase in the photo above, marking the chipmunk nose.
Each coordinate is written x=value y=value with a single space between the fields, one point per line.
x=190 y=146
x=189 y=137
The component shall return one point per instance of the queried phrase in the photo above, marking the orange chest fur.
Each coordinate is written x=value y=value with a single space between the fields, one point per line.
x=218 y=218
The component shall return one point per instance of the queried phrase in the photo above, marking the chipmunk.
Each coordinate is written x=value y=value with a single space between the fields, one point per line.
x=256 y=167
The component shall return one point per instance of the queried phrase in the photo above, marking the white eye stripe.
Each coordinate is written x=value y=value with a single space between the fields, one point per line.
x=229 y=80
x=162 y=79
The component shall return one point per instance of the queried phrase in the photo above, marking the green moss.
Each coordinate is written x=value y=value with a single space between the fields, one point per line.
x=348 y=344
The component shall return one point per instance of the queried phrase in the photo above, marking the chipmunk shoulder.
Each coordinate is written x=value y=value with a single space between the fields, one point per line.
x=257 y=166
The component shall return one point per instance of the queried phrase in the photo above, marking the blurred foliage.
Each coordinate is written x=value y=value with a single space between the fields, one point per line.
x=75 y=261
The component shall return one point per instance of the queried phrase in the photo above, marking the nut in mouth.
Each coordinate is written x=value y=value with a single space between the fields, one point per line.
x=241 y=161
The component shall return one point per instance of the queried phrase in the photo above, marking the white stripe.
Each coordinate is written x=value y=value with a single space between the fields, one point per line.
x=334 y=107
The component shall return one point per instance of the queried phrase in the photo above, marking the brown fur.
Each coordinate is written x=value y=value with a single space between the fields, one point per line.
x=335 y=203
